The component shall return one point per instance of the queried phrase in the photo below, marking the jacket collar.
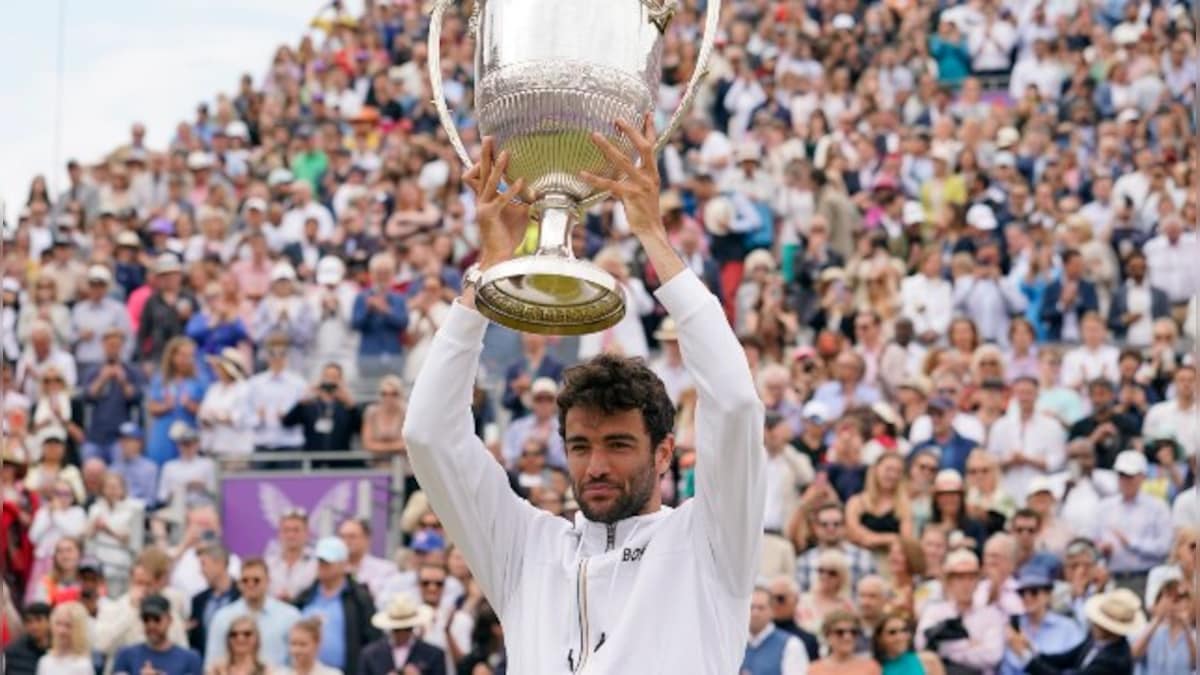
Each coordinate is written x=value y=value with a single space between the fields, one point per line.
x=598 y=538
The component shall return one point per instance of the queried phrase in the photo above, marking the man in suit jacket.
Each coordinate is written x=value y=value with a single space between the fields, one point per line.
x=221 y=591
x=400 y=642
x=1114 y=617
x=1067 y=299
x=1127 y=317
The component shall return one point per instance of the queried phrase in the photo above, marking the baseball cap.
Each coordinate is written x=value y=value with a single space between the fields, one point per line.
x=771 y=419
x=1033 y=580
x=981 y=217
x=282 y=271
x=129 y=430
x=99 y=273
x=255 y=203
x=279 y=177
x=543 y=385
x=1040 y=484
x=425 y=541
x=330 y=271
x=1130 y=463
x=816 y=411
x=941 y=403
x=167 y=263
x=155 y=605
x=914 y=213
x=91 y=564
x=181 y=431
x=1004 y=159
x=332 y=550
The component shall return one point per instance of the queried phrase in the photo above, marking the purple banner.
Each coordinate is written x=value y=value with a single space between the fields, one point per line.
x=251 y=506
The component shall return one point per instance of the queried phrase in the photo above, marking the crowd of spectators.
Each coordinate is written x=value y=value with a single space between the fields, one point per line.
x=958 y=241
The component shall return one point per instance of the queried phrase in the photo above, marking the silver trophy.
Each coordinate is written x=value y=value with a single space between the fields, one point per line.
x=549 y=73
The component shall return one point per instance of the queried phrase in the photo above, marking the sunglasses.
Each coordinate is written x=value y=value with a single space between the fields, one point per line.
x=431 y=525
x=779 y=598
x=928 y=468
x=152 y=618
x=829 y=523
x=826 y=572
x=1025 y=592
x=843 y=632
x=432 y=583
x=978 y=471
x=241 y=633
x=389 y=394
x=897 y=631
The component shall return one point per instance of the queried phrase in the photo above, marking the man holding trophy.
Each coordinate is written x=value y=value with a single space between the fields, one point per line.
x=631 y=586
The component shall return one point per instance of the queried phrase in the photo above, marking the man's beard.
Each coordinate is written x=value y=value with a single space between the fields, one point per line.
x=630 y=500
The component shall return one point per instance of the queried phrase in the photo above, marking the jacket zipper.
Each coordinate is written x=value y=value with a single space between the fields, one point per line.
x=581 y=600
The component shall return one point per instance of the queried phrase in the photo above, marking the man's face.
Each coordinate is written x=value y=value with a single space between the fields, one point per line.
x=960 y=585
x=253 y=583
x=1036 y=600
x=871 y=598
x=1025 y=531
x=330 y=572
x=293 y=533
x=1129 y=486
x=1137 y=267
x=760 y=611
x=156 y=627
x=38 y=628
x=543 y=406
x=830 y=527
x=432 y=580
x=614 y=471
x=355 y=539
x=1185 y=383
x=211 y=567
x=783 y=601
x=996 y=561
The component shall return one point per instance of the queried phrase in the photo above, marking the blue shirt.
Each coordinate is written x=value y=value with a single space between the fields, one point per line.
x=141 y=477
x=953 y=452
x=332 y=651
x=1055 y=635
x=381 y=331
x=175 y=660
x=110 y=408
x=274 y=622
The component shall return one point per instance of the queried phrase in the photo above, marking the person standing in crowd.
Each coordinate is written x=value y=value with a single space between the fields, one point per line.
x=291 y=565
x=70 y=650
x=770 y=649
x=1037 y=628
x=344 y=606
x=1114 y=617
x=1135 y=528
x=166 y=312
x=112 y=390
x=959 y=631
x=841 y=631
x=401 y=649
x=272 y=617
x=326 y=413
x=114 y=525
x=534 y=363
x=380 y=316
x=157 y=651
x=21 y=656
x=373 y=572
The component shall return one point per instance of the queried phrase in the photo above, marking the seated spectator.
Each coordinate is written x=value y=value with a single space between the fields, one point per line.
x=830 y=534
x=303 y=640
x=332 y=304
x=847 y=386
x=784 y=598
x=400 y=623
x=338 y=600
x=291 y=566
x=534 y=363
x=841 y=630
x=627 y=337
x=57 y=413
x=829 y=594
x=158 y=650
x=987 y=500
x=54 y=468
x=1026 y=526
x=201 y=529
x=1037 y=628
x=998 y=587
x=70 y=650
x=949 y=510
x=224 y=415
x=1168 y=644
x=1114 y=618
x=283 y=311
x=216 y=326
x=63 y=573
x=1182 y=562
x=1053 y=533
x=892 y=647
x=1135 y=528
x=541 y=425
x=951 y=447
x=844 y=466
x=769 y=649
x=138 y=474
x=21 y=655
x=189 y=473
x=382 y=422
x=960 y=632
x=58 y=518
x=272 y=619
x=111 y=390
x=371 y=571
x=906 y=566
x=114 y=524
x=380 y=316
x=880 y=514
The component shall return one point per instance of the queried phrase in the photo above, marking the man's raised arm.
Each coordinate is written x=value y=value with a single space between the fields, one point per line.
x=466 y=487
x=731 y=466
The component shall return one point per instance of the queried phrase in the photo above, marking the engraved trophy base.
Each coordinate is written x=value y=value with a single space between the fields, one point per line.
x=551 y=292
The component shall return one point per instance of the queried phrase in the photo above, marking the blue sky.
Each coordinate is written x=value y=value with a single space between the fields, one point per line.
x=124 y=60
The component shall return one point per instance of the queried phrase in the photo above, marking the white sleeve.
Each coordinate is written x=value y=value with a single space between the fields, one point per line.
x=795 y=658
x=467 y=488
x=730 y=469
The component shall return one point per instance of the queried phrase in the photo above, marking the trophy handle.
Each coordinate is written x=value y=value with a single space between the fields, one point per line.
x=435 y=77
x=711 y=20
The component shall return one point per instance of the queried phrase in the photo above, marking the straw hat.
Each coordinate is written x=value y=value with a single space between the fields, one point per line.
x=402 y=613
x=666 y=331
x=231 y=362
x=1118 y=612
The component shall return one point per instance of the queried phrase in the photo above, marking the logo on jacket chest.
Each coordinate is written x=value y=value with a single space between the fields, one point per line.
x=632 y=554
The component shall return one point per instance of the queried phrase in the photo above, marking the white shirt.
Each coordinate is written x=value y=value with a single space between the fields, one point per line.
x=928 y=302
x=178 y=473
x=628 y=335
x=1082 y=365
x=1079 y=507
x=1145 y=522
x=676 y=378
x=1046 y=75
x=1169 y=419
x=1172 y=267
x=1140 y=333
x=1186 y=510
x=795 y=657
x=54 y=664
x=186 y=577
x=269 y=396
x=991 y=46
x=967 y=425
x=291 y=229
x=374 y=573
x=1039 y=437
x=226 y=420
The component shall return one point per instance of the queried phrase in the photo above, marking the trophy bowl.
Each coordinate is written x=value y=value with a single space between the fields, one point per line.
x=549 y=74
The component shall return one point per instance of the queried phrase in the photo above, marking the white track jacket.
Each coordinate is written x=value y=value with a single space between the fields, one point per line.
x=665 y=593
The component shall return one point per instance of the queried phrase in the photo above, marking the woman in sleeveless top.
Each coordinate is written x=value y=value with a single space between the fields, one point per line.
x=881 y=513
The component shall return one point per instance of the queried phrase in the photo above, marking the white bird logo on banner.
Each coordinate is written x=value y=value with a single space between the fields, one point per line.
x=334 y=507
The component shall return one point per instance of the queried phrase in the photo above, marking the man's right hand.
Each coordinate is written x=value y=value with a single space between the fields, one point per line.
x=502 y=221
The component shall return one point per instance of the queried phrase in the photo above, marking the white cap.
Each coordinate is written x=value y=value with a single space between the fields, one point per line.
x=237 y=129
x=816 y=410
x=282 y=271
x=99 y=273
x=543 y=385
x=1129 y=115
x=280 y=176
x=1007 y=137
x=718 y=215
x=1126 y=34
x=747 y=152
x=256 y=203
x=1041 y=484
x=980 y=217
x=1004 y=159
x=914 y=213
x=942 y=153
x=1130 y=463
x=199 y=160
x=10 y=285
x=330 y=271
x=843 y=22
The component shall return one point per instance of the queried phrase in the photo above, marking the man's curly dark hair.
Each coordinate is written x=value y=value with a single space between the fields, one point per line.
x=613 y=384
